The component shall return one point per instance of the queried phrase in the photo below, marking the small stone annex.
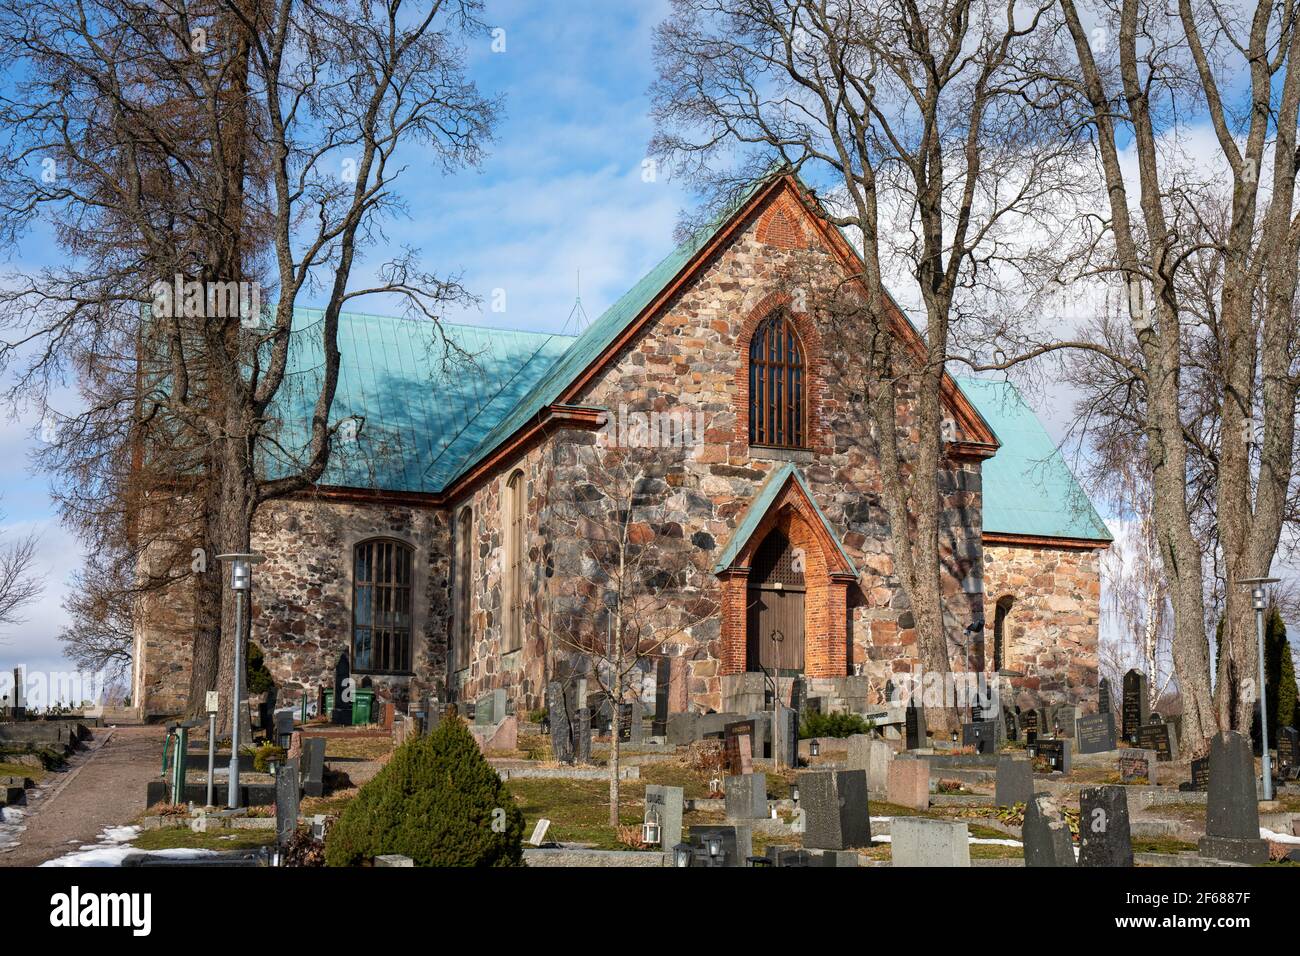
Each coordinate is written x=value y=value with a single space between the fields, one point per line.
x=429 y=555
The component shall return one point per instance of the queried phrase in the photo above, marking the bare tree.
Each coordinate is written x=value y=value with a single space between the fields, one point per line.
x=1204 y=368
x=632 y=590
x=220 y=162
x=936 y=149
x=19 y=585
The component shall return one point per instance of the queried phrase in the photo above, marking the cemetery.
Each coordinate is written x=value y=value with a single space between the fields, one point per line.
x=721 y=789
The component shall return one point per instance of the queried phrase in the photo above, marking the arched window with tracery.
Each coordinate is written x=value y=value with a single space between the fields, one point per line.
x=777 y=385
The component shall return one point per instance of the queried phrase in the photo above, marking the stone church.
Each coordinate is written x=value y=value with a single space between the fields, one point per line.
x=428 y=555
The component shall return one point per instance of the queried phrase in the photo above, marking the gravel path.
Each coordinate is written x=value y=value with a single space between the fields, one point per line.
x=102 y=787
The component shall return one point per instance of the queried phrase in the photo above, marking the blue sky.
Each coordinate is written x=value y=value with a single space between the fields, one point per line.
x=561 y=192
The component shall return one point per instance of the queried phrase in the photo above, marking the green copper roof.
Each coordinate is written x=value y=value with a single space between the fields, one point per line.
x=759 y=506
x=1028 y=488
x=424 y=404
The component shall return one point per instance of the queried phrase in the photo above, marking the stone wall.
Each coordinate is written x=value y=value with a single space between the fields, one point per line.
x=163 y=650
x=302 y=594
x=1051 y=631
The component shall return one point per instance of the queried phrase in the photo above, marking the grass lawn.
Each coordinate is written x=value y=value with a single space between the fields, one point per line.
x=19 y=770
x=1161 y=845
x=357 y=748
x=171 y=838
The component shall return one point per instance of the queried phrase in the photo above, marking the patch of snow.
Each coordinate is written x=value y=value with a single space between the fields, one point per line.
x=1268 y=834
x=114 y=847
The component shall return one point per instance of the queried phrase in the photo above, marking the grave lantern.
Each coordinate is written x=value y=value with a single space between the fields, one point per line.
x=814 y=748
x=682 y=854
x=954 y=736
x=716 y=852
x=651 y=832
x=794 y=794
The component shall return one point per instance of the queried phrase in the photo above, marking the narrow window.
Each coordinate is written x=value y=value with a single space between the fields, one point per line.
x=514 y=563
x=1000 y=613
x=381 y=606
x=461 y=604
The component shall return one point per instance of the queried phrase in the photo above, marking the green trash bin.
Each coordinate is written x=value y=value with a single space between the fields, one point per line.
x=363 y=706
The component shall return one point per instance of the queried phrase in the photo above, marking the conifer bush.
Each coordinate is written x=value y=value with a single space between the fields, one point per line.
x=437 y=801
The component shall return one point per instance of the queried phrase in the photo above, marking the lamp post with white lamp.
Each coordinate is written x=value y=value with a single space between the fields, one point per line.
x=241 y=582
x=1258 y=600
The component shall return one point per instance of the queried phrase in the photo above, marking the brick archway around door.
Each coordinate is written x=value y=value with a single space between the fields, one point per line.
x=827 y=578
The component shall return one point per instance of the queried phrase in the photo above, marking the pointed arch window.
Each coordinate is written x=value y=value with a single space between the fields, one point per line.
x=777 y=385
x=1001 y=611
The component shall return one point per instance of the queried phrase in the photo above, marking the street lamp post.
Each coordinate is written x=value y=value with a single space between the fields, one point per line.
x=241 y=582
x=1258 y=602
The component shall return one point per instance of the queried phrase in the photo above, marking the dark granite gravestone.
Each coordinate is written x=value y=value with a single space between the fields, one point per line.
x=666 y=803
x=746 y=796
x=582 y=737
x=798 y=694
x=1288 y=752
x=784 y=856
x=1232 y=806
x=342 y=712
x=663 y=677
x=602 y=715
x=1055 y=754
x=557 y=711
x=314 y=778
x=1134 y=711
x=1104 y=836
x=1015 y=781
x=788 y=737
x=1095 y=733
x=1103 y=696
x=1061 y=718
x=982 y=735
x=286 y=801
x=1033 y=723
x=1200 y=774
x=915 y=726
x=631 y=725
x=1045 y=833
x=1011 y=724
x=836 y=814
x=1159 y=737
x=736 y=844
x=283 y=726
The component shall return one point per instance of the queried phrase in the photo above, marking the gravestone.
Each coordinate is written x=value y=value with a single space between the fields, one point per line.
x=663 y=680
x=736 y=844
x=1104 y=835
x=557 y=711
x=631 y=725
x=909 y=782
x=1137 y=766
x=1288 y=752
x=342 y=712
x=1134 y=711
x=1232 y=806
x=1103 y=696
x=746 y=796
x=667 y=802
x=1200 y=774
x=784 y=856
x=1159 y=736
x=1032 y=723
x=683 y=728
x=787 y=737
x=490 y=708
x=283 y=726
x=982 y=735
x=836 y=814
x=1060 y=720
x=1095 y=733
x=1055 y=753
x=1045 y=833
x=915 y=724
x=1010 y=724
x=917 y=841
x=1015 y=781
x=872 y=755
x=286 y=801
x=732 y=734
x=539 y=832
x=582 y=737
x=314 y=750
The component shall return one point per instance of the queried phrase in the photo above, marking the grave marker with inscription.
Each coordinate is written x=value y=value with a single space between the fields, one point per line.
x=1095 y=733
x=1104 y=835
x=1160 y=738
x=1134 y=708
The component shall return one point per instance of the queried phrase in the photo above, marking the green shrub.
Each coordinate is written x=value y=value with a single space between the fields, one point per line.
x=263 y=754
x=438 y=802
x=832 y=725
x=257 y=676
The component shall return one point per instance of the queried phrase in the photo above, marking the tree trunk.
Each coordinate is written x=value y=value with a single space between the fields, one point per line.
x=613 y=746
